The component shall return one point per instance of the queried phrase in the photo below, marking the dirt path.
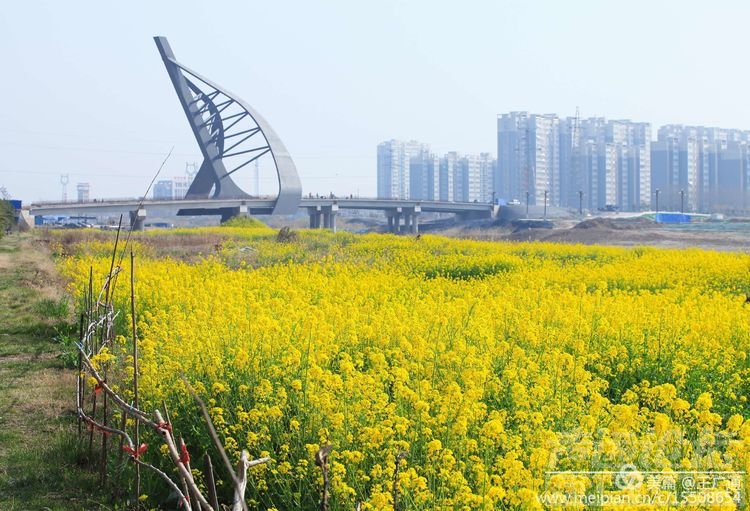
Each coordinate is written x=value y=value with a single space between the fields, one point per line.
x=37 y=454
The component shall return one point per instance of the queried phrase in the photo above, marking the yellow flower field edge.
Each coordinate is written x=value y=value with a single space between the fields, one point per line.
x=505 y=374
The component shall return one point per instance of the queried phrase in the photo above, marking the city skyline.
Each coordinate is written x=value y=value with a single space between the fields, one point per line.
x=590 y=164
x=90 y=99
x=410 y=170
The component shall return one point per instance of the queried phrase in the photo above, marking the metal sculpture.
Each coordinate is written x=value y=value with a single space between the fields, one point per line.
x=230 y=133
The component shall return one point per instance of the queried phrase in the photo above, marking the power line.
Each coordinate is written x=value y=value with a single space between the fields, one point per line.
x=57 y=172
x=90 y=149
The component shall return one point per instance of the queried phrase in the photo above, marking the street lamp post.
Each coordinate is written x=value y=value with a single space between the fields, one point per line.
x=527 y=204
x=545 y=204
x=580 y=202
x=656 y=218
x=682 y=202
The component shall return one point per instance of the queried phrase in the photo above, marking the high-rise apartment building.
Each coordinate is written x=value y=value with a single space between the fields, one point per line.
x=453 y=177
x=487 y=173
x=605 y=163
x=592 y=163
x=447 y=176
x=528 y=156
x=84 y=192
x=394 y=159
x=698 y=168
x=181 y=186
x=424 y=168
x=164 y=189
x=473 y=178
x=175 y=188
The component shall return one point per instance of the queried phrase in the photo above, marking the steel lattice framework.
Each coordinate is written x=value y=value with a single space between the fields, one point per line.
x=231 y=136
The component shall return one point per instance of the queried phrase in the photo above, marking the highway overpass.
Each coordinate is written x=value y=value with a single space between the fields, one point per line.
x=402 y=215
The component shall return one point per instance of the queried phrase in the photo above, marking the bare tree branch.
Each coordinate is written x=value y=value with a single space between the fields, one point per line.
x=181 y=468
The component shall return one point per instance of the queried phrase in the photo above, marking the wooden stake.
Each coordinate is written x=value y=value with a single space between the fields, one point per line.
x=239 y=489
x=210 y=481
x=91 y=433
x=321 y=460
x=135 y=371
x=103 y=462
x=79 y=368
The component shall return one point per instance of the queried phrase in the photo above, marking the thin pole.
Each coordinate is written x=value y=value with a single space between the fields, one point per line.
x=657 y=205
x=105 y=418
x=135 y=371
x=79 y=397
x=527 y=204
x=112 y=263
x=682 y=202
x=580 y=202
x=91 y=431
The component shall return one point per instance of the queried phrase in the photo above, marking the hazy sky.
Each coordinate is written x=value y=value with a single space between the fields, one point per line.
x=86 y=94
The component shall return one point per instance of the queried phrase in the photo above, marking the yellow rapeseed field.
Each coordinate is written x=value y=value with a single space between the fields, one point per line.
x=505 y=374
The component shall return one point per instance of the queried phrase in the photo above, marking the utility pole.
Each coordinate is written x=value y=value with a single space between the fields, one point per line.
x=682 y=202
x=576 y=178
x=580 y=202
x=527 y=204
x=656 y=218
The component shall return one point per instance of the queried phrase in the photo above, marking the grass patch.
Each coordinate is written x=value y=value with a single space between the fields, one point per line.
x=39 y=459
x=54 y=309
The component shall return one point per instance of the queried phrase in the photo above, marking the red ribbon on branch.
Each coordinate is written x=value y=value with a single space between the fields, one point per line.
x=135 y=453
x=184 y=454
x=165 y=426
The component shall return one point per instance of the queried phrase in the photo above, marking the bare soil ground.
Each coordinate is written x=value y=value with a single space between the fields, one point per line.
x=626 y=232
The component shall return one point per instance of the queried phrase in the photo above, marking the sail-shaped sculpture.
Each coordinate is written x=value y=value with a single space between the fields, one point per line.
x=231 y=136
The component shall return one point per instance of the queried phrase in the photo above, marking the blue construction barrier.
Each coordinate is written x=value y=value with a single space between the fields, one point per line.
x=672 y=218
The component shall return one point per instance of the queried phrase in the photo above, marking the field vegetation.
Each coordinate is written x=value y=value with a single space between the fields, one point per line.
x=6 y=217
x=444 y=374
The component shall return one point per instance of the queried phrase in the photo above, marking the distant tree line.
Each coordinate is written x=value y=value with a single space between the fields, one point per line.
x=6 y=217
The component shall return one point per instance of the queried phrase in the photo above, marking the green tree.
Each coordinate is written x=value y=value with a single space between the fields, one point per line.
x=6 y=216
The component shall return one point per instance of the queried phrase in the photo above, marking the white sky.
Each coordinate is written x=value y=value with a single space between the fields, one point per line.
x=85 y=92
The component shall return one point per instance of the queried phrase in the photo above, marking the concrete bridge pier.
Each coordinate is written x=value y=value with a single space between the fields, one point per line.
x=394 y=219
x=323 y=216
x=411 y=219
x=329 y=216
x=229 y=213
x=410 y=216
x=315 y=213
x=415 y=219
x=397 y=221
x=138 y=219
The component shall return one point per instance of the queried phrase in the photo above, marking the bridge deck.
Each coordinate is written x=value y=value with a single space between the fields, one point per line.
x=254 y=206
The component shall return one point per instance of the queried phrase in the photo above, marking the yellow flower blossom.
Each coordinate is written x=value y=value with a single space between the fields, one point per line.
x=481 y=367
